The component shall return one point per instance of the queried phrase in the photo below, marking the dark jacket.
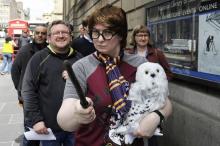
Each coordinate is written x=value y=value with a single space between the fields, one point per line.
x=20 y=62
x=157 y=56
x=83 y=46
x=43 y=87
x=22 y=41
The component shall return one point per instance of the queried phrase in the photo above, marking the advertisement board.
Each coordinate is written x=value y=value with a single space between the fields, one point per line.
x=188 y=31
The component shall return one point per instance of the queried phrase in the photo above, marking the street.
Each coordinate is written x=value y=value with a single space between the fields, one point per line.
x=11 y=114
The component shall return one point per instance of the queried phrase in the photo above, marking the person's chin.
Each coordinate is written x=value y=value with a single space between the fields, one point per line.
x=62 y=45
x=102 y=51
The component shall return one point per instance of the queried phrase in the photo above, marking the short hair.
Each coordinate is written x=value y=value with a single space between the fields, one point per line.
x=113 y=16
x=56 y=22
x=8 y=39
x=40 y=25
x=43 y=25
x=85 y=21
x=71 y=27
x=140 y=29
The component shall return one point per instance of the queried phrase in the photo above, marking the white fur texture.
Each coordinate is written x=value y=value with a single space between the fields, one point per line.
x=147 y=93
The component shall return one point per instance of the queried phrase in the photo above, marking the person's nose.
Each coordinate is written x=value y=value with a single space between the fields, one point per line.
x=101 y=38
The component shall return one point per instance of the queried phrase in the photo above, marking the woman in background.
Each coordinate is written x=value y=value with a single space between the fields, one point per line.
x=143 y=46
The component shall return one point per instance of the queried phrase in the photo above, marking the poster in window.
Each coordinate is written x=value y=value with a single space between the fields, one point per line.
x=209 y=44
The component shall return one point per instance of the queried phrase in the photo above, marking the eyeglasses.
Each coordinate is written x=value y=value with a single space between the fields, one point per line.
x=106 y=34
x=38 y=32
x=142 y=35
x=63 y=33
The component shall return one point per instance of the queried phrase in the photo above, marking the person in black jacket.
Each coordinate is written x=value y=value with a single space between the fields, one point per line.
x=24 y=55
x=20 y=63
x=83 y=43
x=43 y=84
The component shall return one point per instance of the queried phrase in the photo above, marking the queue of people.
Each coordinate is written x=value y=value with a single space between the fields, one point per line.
x=50 y=100
x=20 y=63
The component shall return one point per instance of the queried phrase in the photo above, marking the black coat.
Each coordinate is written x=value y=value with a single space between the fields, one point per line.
x=83 y=46
x=43 y=87
x=21 y=60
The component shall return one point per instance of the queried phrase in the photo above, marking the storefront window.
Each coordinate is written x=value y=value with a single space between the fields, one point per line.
x=187 y=31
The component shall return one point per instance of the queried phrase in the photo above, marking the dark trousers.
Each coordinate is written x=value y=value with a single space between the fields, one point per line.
x=29 y=142
x=152 y=141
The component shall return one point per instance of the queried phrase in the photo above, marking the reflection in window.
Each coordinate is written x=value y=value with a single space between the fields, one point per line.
x=177 y=38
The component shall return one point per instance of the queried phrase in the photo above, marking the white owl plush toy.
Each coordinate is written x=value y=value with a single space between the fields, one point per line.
x=148 y=93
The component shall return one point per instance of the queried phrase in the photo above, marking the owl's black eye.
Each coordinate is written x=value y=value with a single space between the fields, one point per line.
x=158 y=70
x=146 y=72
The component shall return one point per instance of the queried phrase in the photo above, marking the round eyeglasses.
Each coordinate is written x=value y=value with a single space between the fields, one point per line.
x=62 y=33
x=106 y=34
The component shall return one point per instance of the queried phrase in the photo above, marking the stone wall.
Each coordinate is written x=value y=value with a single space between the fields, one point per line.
x=196 y=116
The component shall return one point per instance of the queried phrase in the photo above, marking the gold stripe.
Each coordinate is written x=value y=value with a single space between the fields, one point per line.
x=114 y=86
x=123 y=81
x=113 y=81
x=109 y=68
x=102 y=57
x=120 y=100
x=116 y=81
x=121 y=77
x=119 y=107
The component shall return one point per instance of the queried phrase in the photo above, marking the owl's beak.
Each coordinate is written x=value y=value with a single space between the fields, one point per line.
x=152 y=75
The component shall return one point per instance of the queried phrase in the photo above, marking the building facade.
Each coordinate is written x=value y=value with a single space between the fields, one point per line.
x=188 y=32
x=9 y=10
x=4 y=14
x=57 y=12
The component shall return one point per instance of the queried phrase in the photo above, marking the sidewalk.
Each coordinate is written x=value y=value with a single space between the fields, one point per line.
x=11 y=114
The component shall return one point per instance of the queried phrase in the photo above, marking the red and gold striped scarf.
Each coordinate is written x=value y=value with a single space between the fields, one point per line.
x=118 y=86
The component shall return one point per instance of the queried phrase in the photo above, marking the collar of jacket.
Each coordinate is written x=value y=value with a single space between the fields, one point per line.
x=37 y=47
x=71 y=51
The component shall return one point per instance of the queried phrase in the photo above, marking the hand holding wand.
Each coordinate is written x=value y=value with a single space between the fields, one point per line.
x=84 y=103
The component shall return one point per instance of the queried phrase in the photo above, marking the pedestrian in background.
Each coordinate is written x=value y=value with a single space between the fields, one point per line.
x=105 y=77
x=81 y=30
x=43 y=84
x=143 y=46
x=23 y=39
x=20 y=63
x=84 y=44
x=7 y=52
